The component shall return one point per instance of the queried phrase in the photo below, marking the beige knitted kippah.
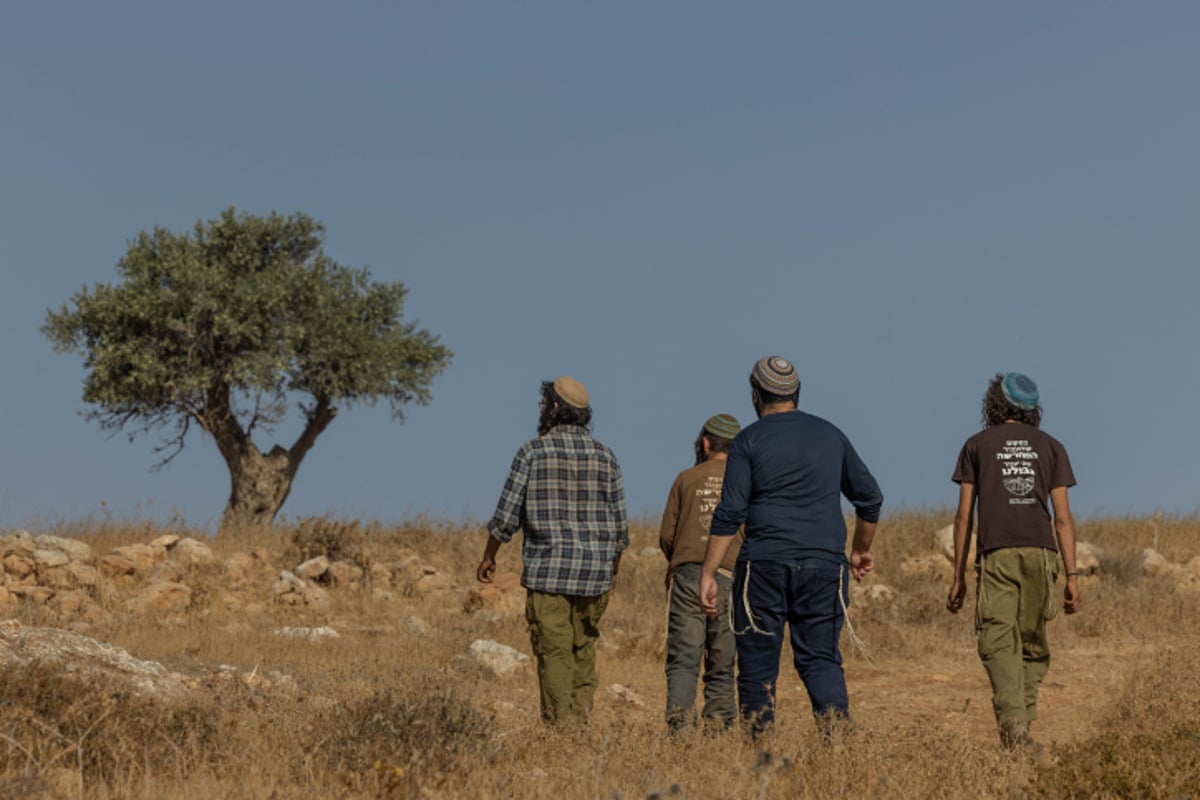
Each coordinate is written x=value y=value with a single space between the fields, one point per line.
x=775 y=375
x=571 y=391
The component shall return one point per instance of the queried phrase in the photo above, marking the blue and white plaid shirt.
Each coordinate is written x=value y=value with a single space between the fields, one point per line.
x=565 y=491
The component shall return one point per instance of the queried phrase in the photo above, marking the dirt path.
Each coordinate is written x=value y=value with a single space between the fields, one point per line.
x=945 y=691
x=953 y=693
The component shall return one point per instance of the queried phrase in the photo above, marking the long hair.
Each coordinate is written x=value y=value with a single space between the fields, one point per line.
x=997 y=410
x=555 y=411
x=716 y=444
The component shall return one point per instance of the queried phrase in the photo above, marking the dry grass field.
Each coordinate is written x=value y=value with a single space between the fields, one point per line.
x=393 y=707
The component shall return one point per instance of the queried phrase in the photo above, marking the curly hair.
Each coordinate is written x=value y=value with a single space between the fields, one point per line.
x=716 y=444
x=997 y=410
x=555 y=412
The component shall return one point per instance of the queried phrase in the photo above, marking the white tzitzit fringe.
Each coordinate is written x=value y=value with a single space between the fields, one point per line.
x=746 y=606
x=859 y=643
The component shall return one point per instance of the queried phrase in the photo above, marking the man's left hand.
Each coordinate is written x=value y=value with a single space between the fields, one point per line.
x=861 y=564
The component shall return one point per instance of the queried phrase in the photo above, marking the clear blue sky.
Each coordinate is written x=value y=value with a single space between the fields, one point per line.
x=902 y=198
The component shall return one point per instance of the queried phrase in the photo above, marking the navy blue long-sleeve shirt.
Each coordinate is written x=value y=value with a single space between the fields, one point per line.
x=784 y=479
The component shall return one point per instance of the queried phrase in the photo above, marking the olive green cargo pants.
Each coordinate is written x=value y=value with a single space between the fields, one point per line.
x=563 y=630
x=1015 y=598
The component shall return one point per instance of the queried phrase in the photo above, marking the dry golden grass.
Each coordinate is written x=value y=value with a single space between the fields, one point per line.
x=393 y=710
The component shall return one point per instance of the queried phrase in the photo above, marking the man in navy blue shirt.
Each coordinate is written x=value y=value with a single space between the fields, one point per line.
x=784 y=480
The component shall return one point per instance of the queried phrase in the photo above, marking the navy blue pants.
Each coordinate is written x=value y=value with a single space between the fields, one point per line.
x=804 y=595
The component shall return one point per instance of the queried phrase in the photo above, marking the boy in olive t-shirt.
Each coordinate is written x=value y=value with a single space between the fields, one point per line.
x=1014 y=472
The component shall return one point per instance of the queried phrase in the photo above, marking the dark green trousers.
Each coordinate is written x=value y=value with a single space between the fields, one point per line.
x=563 y=630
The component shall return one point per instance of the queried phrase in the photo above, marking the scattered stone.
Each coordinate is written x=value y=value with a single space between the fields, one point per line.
x=291 y=590
x=166 y=597
x=309 y=634
x=20 y=566
x=1087 y=558
x=116 y=566
x=344 y=574
x=73 y=548
x=409 y=569
x=58 y=577
x=48 y=559
x=623 y=694
x=240 y=569
x=943 y=540
x=1189 y=583
x=20 y=543
x=499 y=659
x=70 y=603
x=192 y=553
x=166 y=541
x=504 y=595
x=167 y=572
x=432 y=582
x=313 y=569
x=381 y=575
x=142 y=556
x=1151 y=562
x=85 y=658
x=872 y=596
x=34 y=594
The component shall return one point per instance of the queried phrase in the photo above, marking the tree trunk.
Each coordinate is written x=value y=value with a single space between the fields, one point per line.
x=259 y=484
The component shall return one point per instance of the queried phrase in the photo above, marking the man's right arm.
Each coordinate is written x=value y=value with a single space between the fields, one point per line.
x=964 y=521
x=506 y=521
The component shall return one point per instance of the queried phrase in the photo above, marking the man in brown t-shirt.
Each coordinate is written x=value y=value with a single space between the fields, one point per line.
x=691 y=636
x=1015 y=472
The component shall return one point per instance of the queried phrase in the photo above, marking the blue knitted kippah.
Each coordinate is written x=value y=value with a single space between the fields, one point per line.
x=1020 y=391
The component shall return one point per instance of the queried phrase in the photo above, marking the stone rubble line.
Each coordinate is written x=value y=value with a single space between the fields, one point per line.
x=62 y=575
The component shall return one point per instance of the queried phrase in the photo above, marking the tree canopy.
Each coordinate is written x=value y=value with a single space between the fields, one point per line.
x=224 y=326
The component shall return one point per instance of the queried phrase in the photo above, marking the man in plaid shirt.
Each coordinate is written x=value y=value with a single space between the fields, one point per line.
x=564 y=490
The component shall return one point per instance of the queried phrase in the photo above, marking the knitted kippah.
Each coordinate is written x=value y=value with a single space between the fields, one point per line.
x=776 y=376
x=1020 y=391
x=723 y=426
x=571 y=391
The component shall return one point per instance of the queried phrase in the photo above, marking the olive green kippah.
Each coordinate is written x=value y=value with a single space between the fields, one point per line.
x=723 y=426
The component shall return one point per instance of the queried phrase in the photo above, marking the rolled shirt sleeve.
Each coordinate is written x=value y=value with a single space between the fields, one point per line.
x=859 y=485
x=506 y=521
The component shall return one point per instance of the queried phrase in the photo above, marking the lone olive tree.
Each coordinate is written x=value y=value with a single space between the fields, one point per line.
x=223 y=327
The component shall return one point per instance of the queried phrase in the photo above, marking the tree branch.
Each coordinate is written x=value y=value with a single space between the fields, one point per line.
x=319 y=416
